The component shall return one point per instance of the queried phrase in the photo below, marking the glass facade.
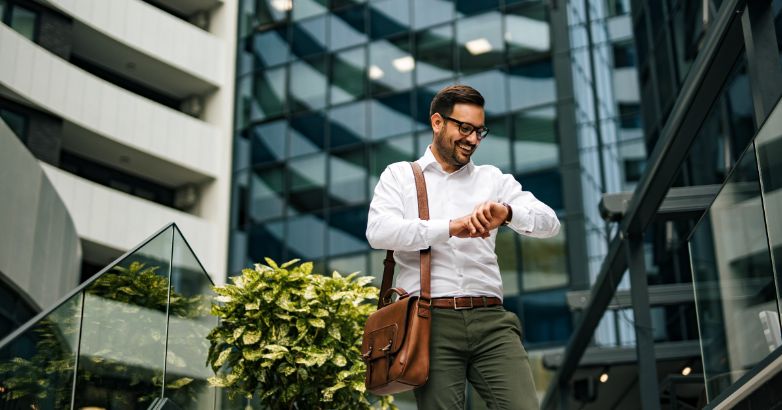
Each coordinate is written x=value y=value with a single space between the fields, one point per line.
x=331 y=92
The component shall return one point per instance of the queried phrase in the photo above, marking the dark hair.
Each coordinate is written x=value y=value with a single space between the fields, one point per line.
x=449 y=96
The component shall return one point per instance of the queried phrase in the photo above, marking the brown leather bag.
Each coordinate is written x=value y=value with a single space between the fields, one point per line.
x=396 y=336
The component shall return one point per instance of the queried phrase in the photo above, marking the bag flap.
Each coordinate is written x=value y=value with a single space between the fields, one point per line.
x=386 y=329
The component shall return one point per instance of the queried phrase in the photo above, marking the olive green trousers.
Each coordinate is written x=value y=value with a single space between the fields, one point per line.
x=482 y=345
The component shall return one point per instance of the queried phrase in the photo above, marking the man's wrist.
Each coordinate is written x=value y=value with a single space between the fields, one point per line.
x=509 y=217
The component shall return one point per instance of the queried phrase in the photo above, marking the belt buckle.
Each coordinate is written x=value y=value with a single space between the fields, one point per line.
x=456 y=306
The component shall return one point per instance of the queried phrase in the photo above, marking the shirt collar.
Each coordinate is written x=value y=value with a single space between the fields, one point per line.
x=428 y=159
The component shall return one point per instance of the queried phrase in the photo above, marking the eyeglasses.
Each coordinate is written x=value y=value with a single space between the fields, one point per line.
x=466 y=128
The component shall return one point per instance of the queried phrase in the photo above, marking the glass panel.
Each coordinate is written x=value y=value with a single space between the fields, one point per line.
x=268 y=95
x=347 y=230
x=481 y=45
x=507 y=251
x=306 y=234
x=493 y=86
x=430 y=12
x=348 y=28
x=348 y=124
x=307 y=179
x=348 y=172
x=531 y=84
x=387 y=17
x=268 y=142
x=123 y=335
x=546 y=185
x=535 y=139
x=336 y=4
x=733 y=280
x=350 y=264
x=37 y=367
x=390 y=116
x=387 y=152
x=16 y=122
x=306 y=8
x=266 y=240
x=495 y=148
x=306 y=134
x=546 y=318
x=544 y=261
x=348 y=69
x=254 y=14
x=769 y=147
x=268 y=48
x=467 y=7
x=391 y=65
x=24 y=21
x=309 y=37
x=434 y=53
x=188 y=325
x=527 y=31
x=308 y=84
x=267 y=195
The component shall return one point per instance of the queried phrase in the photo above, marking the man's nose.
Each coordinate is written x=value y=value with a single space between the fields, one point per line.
x=473 y=137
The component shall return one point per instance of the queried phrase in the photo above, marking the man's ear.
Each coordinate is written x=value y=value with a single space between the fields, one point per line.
x=437 y=122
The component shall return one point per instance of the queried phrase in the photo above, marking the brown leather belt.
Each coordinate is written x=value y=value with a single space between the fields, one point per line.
x=466 y=302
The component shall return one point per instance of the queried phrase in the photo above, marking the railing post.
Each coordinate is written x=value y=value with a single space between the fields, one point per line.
x=644 y=339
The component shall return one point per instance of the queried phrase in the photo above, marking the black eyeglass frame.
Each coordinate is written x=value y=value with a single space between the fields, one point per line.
x=481 y=132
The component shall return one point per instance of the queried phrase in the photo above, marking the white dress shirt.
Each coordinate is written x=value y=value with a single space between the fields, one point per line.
x=460 y=266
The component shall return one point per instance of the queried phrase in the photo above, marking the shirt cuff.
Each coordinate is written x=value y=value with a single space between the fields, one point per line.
x=437 y=231
x=523 y=220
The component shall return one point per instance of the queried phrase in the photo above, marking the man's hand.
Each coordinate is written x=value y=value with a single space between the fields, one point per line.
x=486 y=217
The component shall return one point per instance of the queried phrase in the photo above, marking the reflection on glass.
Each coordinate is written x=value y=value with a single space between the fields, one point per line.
x=481 y=45
x=268 y=95
x=390 y=65
x=123 y=335
x=254 y=14
x=348 y=75
x=347 y=28
x=430 y=12
x=348 y=171
x=495 y=148
x=535 y=139
x=308 y=84
x=268 y=48
x=36 y=368
x=23 y=21
x=188 y=325
x=308 y=37
x=390 y=115
x=546 y=317
x=527 y=31
x=467 y=7
x=268 y=142
x=266 y=240
x=303 y=8
x=307 y=179
x=347 y=124
x=543 y=261
x=546 y=185
x=507 y=250
x=350 y=264
x=769 y=153
x=347 y=230
x=424 y=96
x=387 y=152
x=267 y=195
x=733 y=280
x=306 y=134
x=531 y=84
x=493 y=87
x=388 y=17
x=306 y=234
x=434 y=54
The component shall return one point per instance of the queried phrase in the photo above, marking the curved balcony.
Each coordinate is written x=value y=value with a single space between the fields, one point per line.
x=40 y=252
x=144 y=43
x=161 y=144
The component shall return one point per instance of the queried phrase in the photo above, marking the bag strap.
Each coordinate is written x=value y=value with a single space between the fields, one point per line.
x=426 y=254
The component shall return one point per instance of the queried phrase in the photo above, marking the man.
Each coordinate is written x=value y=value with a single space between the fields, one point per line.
x=473 y=338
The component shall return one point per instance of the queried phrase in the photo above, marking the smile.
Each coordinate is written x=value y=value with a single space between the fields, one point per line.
x=464 y=147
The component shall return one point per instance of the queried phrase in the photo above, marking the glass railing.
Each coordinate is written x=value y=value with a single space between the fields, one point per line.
x=736 y=294
x=128 y=338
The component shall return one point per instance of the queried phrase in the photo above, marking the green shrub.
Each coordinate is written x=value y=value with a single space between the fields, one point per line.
x=293 y=338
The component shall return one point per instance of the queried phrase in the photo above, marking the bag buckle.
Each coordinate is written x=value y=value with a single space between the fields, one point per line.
x=456 y=306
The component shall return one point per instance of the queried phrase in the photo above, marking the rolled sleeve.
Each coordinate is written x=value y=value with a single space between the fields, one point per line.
x=437 y=231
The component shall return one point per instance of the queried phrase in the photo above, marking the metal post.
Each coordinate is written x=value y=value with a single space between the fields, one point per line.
x=644 y=345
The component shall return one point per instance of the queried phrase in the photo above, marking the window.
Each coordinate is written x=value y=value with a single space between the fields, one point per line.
x=306 y=134
x=434 y=53
x=16 y=122
x=348 y=73
x=481 y=44
x=624 y=55
x=23 y=20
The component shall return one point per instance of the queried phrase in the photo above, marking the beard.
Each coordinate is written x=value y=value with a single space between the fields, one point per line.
x=449 y=152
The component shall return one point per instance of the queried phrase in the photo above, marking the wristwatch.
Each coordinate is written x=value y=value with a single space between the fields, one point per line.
x=510 y=213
